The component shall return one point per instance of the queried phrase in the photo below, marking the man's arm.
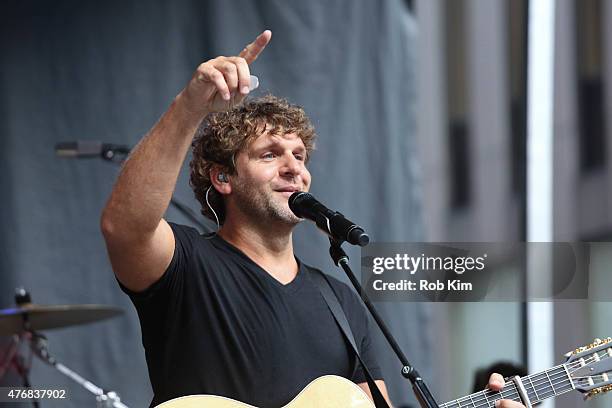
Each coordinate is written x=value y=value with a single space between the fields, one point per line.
x=140 y=243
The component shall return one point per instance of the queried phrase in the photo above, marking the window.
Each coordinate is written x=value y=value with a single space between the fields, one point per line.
x=457 y=103
x=517 y=92
x=589 y=67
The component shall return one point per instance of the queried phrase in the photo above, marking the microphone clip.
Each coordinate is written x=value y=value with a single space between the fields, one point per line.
x=114 y=153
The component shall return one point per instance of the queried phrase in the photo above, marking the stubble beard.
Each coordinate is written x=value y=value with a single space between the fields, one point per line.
x=263 y=207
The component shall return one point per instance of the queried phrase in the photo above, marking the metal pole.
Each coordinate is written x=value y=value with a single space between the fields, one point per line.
x=540 y=74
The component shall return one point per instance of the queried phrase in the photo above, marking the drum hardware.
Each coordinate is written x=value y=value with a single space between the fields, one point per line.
x=23 y=323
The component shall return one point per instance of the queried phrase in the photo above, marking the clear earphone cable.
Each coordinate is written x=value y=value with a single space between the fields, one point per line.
x=211 y=209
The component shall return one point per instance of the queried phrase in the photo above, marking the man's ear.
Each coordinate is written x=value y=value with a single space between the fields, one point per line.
x=220 y=180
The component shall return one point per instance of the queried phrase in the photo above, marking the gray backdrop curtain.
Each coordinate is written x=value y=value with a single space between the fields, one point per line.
x=107 y=70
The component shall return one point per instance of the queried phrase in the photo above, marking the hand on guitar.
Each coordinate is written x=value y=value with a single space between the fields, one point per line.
x=496 y=383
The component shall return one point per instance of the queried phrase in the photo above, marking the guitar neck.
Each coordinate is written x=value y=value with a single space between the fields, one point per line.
x=546 y=384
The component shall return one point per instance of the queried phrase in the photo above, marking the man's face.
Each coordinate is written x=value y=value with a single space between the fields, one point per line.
x=268 y=172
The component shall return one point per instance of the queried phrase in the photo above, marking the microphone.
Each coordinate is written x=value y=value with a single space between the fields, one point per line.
x=304 y=205
x=89 y=149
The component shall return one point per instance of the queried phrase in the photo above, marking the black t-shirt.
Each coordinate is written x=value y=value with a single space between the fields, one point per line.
x=217 y=323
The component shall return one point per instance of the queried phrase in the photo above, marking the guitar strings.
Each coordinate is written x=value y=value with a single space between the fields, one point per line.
x=513 y=395
x=576 y=365
x=476 y=403
x=513 y=392
x=510 y=390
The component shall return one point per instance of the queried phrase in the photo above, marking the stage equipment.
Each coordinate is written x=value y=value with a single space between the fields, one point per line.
x=588 y=370
x=23 y=323
x=87 y=149
x=304 y=205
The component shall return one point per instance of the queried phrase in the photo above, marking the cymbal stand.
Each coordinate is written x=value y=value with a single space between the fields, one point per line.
x=104 y=399
x=10 y=354
x=19 y=362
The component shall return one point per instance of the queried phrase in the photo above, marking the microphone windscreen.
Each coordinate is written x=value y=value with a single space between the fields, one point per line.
x=81 y=148
x=295 y=201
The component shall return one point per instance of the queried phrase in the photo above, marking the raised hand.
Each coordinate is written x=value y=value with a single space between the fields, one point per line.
x=221 y=83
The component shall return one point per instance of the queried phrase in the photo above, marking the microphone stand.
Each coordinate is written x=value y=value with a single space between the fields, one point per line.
x=340 y=258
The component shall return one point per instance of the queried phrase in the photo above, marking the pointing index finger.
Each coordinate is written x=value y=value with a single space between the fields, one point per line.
x=252 y=51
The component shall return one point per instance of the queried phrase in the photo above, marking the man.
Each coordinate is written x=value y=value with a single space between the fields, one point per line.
x=234 y=314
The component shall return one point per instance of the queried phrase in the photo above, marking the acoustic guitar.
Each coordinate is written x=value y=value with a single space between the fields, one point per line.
x=587 y=369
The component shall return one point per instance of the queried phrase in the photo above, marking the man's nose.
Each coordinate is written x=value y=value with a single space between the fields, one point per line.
x=292 y=166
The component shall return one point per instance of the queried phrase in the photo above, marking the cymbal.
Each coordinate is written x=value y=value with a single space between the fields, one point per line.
x=39 y=317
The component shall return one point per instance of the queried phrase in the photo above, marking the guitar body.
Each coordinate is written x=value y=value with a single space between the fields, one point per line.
x=329 y=391
x=588 y=370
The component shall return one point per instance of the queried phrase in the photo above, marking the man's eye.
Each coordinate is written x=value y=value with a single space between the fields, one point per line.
x=299 y=157
x=268 y=156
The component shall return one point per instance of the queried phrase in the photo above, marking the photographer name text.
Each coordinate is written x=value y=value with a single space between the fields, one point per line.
x=455 y=285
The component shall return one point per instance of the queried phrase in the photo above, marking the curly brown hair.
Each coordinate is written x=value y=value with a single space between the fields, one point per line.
x=222 y=135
